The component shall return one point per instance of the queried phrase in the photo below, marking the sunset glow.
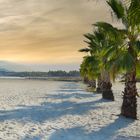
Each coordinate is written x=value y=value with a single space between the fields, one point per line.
x=46 y=31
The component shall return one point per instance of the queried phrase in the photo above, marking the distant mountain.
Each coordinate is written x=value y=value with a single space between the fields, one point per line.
x=10 y=66
x=1 y=70
x=18 y=67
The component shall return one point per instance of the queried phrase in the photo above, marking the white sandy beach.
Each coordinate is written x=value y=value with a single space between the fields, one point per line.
x=45 y=110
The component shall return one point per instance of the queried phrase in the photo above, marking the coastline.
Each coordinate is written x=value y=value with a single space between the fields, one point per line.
x=67 y=79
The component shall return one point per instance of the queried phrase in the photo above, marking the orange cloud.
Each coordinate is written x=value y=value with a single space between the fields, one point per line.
x=47 y=31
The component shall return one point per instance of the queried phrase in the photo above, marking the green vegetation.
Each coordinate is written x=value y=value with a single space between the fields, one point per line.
x=112 y=51
x=41 y=74
x=63 y=74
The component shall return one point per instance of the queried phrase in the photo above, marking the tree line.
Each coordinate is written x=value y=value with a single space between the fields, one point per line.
x=58 y=73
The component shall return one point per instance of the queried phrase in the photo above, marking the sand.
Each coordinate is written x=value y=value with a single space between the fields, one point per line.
x=40 y=110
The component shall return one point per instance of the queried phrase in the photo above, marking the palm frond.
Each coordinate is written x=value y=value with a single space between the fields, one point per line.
x=134 y=12
x=85 y=50
x=117 y=8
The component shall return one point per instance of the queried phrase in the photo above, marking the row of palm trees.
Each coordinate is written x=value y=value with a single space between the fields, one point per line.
x=112 y=51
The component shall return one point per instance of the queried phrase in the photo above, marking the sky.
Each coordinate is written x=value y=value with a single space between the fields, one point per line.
x=47 y=31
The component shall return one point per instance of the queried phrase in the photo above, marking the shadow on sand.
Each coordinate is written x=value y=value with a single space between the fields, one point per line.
x=49 y=110
x=71 y=95
x=54 y=110
x=105 y=133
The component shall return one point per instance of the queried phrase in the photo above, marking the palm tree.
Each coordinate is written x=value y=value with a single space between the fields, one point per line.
x=96 y=43
x=84 y=71
x=92 y=71
x=88 y=70
x=126 y=57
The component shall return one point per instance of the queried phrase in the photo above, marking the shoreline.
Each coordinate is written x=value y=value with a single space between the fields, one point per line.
x=67 y=79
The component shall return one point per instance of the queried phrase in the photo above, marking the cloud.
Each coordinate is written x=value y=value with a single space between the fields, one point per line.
x=47 y=31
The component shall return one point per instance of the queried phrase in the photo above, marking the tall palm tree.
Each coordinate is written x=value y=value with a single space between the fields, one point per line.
x=96 y=43
x=126 y=57
x=88 y=70
x=84 y=71
x=92 y=50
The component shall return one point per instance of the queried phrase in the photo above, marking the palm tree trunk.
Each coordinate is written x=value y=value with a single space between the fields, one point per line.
x=85 y=80
x=99 y=84
x=106 y=86
x=92 y=83
x=129 y=106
